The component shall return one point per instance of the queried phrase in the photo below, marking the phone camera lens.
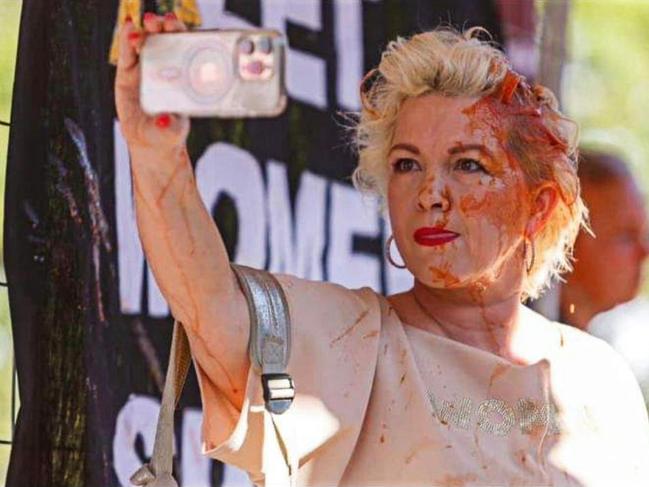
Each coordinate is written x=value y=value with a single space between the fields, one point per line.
x=246 y=46
x=264 y=45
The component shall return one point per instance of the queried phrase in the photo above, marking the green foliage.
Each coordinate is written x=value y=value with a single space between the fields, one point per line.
x=606 y=84
x=9 y=20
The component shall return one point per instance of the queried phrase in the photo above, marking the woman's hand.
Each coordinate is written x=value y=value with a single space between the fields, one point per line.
x=141 y=131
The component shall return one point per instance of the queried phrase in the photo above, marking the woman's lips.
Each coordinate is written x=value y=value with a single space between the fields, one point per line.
x=432 y=236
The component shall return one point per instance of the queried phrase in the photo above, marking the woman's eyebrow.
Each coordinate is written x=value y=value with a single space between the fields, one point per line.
x=456 y=149
x=406 y=147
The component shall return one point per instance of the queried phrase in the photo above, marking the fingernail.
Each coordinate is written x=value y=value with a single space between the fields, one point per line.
x=170 y=16
x=134 y=36
x=149 y=16
x=128 y=19
x=163 y=121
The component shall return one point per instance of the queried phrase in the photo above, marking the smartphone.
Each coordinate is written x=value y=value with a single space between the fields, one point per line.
x=214 y=73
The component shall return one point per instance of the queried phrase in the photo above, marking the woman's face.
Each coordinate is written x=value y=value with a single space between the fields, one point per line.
x=458 y=203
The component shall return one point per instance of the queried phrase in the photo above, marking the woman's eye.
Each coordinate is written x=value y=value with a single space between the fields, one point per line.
x=469 y=165
x=405 y=165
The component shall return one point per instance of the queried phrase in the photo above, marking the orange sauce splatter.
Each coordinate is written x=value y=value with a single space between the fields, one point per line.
x=443 y=274
x=497 y=371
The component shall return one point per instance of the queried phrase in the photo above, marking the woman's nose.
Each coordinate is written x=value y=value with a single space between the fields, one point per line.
x=432 y=194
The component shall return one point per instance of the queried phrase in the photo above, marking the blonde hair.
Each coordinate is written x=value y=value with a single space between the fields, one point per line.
x=451 y=63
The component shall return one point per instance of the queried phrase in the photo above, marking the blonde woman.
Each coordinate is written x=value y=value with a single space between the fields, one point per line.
x=453 y=382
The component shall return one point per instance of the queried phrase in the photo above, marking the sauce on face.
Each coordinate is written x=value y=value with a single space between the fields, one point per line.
x=490 y=207
x=515 y=116
x=444 y=274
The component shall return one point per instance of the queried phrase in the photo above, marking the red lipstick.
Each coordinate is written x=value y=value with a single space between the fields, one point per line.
x=433 y=236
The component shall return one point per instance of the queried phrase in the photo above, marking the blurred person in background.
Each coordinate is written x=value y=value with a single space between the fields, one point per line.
x=608 y=265
x=598 y=296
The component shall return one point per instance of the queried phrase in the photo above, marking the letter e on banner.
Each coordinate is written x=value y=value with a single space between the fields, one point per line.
x=351 y=217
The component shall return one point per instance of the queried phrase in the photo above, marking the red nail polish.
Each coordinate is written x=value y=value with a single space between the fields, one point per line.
x=133 y=36
x=128 y=19
x=170 y=16
x=163 y=121
x=149 y=16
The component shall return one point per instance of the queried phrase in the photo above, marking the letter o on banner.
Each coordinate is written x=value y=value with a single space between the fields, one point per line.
x=227 y=168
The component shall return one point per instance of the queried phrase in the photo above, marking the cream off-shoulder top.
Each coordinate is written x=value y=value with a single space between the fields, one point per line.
x=379 y=402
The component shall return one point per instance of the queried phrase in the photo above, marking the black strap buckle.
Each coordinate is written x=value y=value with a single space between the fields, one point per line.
x=279 y=392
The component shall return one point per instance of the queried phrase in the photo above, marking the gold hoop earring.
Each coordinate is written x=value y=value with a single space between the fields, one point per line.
x=530 y=265
x=388 y=256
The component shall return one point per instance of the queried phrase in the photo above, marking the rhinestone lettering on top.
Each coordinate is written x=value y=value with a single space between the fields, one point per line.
x=450 y=413
x=531 y=414
x=495 y=416
x=485 y=413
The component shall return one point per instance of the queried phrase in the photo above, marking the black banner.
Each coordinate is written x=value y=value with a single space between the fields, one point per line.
x=91 y=327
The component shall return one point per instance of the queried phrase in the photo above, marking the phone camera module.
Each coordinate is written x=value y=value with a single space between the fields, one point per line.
x=246 y=46
x=264 y=45
x=255 y=58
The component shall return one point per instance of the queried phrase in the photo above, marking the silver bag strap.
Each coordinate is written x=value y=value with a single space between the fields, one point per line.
x=158 y=472
x=269 y=348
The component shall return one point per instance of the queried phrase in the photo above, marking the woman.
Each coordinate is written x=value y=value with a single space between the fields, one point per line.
x=453 y=382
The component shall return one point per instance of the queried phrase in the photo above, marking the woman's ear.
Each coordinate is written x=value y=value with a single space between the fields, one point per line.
x=544 y=201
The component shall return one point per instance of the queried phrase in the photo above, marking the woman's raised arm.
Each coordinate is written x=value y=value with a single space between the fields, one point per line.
x=182 y=244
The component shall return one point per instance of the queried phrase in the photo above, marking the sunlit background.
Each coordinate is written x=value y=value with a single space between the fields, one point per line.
x=605 y=87
x=9 y=19
x=606 y=82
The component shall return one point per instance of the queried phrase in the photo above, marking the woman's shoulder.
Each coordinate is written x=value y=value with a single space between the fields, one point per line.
x=590 y=353
x=589 y=378
x=572 y=349
x=591 y=349
x=331 y=307
x=566 y=339
x=601 y=374
x=325 y=291
x=607 y=393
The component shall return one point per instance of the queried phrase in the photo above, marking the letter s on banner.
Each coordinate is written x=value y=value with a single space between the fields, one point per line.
x=195 y=466
x=138 y=417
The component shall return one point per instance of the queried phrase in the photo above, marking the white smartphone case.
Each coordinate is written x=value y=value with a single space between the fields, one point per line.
x=226 y=73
